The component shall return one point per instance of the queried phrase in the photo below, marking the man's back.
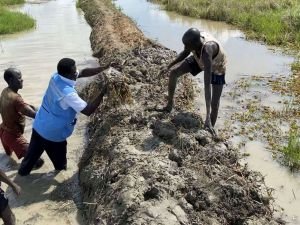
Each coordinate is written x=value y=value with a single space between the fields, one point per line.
x=10 y=104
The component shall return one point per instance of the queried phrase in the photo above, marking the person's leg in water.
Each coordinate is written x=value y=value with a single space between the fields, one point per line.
x=35 y=150
x=17 y=144
x=7 y=216
x=179 y=70
x=57 y=152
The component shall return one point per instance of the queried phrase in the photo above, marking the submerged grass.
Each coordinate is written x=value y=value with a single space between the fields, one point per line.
x=256 y=120
x=276 y=22
x=12 y=22
x=292 y=150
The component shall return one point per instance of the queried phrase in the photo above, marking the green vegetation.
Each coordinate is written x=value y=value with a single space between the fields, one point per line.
x=292 y=150
x=12 y=22
x=11 y=2
x=254 y=120
x=78 y=5
x=276 y=22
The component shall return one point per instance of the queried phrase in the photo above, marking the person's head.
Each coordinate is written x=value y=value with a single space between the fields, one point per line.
x=66 y=67
x=191 y=39
x=13 y=78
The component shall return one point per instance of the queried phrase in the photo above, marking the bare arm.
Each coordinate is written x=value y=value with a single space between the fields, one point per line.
x=29 y=111
x=207 y=60
x=181 y=56
x=88 y=72
x=9 y=182
x=91 y=107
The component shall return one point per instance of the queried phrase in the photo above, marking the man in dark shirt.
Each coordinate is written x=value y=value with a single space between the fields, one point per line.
x=13 y=110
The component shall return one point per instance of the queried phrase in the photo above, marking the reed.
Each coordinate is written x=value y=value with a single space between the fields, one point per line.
x=292 y=150
x=12 y=22
x=277 y=22
x=11 y=2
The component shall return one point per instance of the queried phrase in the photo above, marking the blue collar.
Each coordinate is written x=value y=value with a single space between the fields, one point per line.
x=68 y=81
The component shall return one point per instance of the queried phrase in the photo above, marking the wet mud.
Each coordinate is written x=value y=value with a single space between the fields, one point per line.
x=141 y=166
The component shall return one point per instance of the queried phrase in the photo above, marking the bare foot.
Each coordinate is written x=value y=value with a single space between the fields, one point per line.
x=211 y=130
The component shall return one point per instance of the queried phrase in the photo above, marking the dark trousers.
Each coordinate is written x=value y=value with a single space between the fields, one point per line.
x=57 y=152
x=3 y=201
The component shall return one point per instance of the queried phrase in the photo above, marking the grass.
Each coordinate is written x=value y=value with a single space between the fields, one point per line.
x=276 y=22
x=253 y=120
x=11 y=2
x=12 y=22
x=292 y=150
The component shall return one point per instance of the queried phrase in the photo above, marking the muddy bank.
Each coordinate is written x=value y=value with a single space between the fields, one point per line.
x=145 y=167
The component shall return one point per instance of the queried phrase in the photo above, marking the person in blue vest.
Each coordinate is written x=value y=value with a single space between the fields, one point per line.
x=56 y=117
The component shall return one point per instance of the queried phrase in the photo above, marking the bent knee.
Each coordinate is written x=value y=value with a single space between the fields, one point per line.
x=176 y=72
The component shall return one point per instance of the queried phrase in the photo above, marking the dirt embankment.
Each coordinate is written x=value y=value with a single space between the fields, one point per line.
x=144 y=167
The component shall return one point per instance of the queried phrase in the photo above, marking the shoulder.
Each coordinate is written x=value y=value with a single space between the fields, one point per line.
x=74 y=101
x=72 y=96
x=210 y=48
x=11 y=95
x=19 y=101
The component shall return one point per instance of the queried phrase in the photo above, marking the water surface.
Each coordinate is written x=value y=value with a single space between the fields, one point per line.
x=61 y=31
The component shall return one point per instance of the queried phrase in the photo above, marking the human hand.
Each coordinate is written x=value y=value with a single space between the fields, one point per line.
x=110 y=64
x=163 y=70
x=208 y=126
x=17 y=189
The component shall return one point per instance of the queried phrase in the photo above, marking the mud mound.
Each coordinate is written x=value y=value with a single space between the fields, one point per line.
x=145 y=167
x=112 y=31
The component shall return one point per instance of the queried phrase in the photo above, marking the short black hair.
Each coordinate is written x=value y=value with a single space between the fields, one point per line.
x=64 y=66
x=190 y=36
x=10 y=73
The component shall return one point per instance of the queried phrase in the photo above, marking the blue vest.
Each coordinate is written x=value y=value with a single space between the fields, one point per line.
x=52 y=122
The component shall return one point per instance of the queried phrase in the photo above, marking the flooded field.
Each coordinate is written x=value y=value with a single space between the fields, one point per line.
x=47 y=197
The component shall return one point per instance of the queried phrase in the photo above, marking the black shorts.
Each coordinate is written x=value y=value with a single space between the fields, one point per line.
x=3 y=201
x=195 y=69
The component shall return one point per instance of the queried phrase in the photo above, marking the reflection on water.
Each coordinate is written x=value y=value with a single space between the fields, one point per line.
x=61 y=31
x=285 y=183
x=168 y=28
x=245 y=59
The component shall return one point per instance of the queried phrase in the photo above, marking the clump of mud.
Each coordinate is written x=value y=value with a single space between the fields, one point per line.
x=145 y=167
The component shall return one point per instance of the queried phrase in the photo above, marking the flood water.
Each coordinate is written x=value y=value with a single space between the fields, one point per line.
x=61 y=31
x=245 y=59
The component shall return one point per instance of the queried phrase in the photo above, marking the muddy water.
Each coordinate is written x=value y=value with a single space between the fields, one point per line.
x=61 y=31
x=245 y=58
